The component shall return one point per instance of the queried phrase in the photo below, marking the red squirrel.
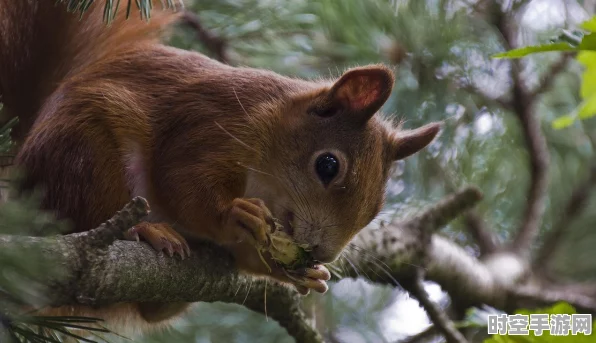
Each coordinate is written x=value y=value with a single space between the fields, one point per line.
x=110 y=113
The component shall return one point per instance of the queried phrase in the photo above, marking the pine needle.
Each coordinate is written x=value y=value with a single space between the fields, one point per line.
x=111 y=7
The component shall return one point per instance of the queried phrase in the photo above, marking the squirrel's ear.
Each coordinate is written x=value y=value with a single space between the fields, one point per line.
x=409 y=142
x=359 y=92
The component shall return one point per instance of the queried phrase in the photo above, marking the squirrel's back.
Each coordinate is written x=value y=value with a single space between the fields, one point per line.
x=41 y=44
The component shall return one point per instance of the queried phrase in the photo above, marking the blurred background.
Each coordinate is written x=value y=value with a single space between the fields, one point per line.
x=441 y=51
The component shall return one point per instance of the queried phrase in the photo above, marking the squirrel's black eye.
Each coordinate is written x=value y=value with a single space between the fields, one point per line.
x=327 y=167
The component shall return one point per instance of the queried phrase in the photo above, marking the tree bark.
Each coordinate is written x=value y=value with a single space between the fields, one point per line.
x=97 y=268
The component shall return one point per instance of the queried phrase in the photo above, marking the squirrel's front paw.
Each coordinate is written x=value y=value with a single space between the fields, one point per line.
x=306 y=279
x=248 y=220
x=160 y=236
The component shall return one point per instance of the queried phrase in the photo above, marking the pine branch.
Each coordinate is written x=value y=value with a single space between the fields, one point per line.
x=435 y=313
x=107 y=270
x=389 y=255
x=426 y=224
x=6 y=143
x=38 y=329
x=111 y=7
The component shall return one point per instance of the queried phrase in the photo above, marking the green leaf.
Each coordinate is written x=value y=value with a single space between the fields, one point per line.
x=563 y=122
x=589 y=25
x=521 y=52
x=588 y=42
x=588 y=86
x=587 y=109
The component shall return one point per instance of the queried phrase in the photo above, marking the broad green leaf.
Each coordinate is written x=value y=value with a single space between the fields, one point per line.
x=563 y=122
x=521 y=52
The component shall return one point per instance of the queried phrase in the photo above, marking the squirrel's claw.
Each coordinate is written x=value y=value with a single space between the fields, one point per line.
x=161 y=236
x=249 y=220
x=313 y=278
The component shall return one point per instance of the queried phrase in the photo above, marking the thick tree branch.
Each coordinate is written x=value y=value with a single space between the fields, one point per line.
x=104 y=271
x=108 y=271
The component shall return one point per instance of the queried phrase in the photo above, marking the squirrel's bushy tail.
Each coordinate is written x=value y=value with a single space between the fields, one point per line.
x=41 y=44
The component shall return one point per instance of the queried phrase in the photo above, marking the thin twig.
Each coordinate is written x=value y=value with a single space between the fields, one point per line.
x=550 y=76
x=575 y=206
x=423 y=336
x=429 y=223
x=435 y=313
x=486 y=240
x=215 y=44
x=485 y=98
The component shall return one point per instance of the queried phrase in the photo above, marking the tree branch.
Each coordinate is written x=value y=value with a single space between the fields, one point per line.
x=487 y=242
x=546 y=297
x=424 y=336
x=215 y=44
x=539 y=164
x=522 y=105
x=389 y=255
x=550 y=76
x=575 y=206
x=486 y=99
x=437 y=316
x=107 y=271
x=482 y=236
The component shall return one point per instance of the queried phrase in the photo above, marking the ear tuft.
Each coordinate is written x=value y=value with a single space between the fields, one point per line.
x=407 y=143
x=362 y=91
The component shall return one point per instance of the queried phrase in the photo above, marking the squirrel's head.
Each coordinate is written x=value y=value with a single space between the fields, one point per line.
x=326 y=168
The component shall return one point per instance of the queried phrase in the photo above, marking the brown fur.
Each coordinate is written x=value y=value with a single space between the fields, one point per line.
x=192 y=135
